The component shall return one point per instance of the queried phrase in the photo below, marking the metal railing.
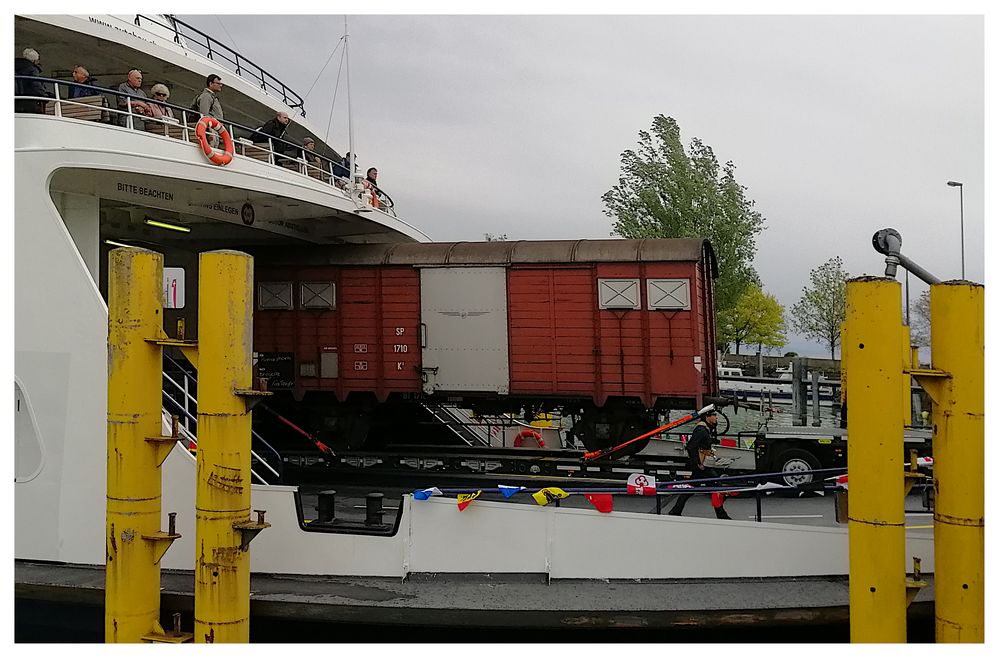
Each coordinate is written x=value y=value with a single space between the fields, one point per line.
x=189 y=419
x=278 y=151
x=188 y=36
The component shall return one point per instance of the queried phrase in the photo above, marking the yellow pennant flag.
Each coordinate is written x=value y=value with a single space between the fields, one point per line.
x=549 y=494
x=464 y=500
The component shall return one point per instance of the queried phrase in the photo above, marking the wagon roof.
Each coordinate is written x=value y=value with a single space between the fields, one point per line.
x=523 y=251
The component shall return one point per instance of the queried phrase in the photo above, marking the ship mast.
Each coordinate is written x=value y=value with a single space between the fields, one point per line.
x=350 y=122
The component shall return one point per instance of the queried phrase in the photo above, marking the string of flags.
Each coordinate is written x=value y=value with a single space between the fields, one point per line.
x=638 y=484
x=602 y=500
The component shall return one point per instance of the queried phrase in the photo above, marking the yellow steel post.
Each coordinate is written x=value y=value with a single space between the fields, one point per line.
x=222 y=570
x=873 y=357
x=134 y=541
x=958 y=345
x=906 y=378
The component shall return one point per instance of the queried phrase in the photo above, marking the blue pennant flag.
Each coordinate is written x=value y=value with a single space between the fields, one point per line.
x=424 y=494
x=508 y=491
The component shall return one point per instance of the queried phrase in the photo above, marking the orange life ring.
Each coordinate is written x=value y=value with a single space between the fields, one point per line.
x=528 y=434
x=219 y=158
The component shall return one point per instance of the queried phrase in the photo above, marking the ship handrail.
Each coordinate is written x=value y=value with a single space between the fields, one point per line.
x=325 y=172
x=188 y=416
x=183 y=431
x=214 y=48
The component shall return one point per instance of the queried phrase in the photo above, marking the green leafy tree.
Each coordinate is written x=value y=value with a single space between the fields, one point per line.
x=756 y=319
x=919 y=320
x=822 y=307
x=666 y=191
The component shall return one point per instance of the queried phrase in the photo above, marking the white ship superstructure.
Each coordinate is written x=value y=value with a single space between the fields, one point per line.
x=84 y=185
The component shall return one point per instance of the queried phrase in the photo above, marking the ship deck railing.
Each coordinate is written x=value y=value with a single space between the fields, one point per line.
x=194 y=39
x=98 y=108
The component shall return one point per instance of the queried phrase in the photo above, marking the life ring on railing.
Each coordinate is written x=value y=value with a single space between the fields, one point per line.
x=528 y=434
x=220 y=158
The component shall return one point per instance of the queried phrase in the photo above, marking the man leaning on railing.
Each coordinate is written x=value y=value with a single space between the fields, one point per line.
x=132 y=87
x=82 y=76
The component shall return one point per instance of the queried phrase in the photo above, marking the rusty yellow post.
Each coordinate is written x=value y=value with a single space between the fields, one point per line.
x=222 y=569
x=135 y=449
x=873 y=357
x=906 y=378
x=958 y=346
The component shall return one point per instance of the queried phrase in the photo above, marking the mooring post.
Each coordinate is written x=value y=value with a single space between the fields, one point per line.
x=799 y=407
x=956 y=386
x=222 y=565
x=872 y=355
x=134 y=452
x=816 y=418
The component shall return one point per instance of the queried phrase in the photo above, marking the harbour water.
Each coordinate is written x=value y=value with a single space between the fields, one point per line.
x=778 y=415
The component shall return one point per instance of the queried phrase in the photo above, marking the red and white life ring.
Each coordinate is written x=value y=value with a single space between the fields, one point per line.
x=528 y=434
x=220 y=158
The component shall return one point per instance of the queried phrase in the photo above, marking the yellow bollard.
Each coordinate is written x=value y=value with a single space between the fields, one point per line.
x=958 y=346
x=872 y=355
x=222 y=570
x=135 y=451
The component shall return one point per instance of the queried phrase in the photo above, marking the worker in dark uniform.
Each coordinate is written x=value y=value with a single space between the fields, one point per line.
x=699 y=448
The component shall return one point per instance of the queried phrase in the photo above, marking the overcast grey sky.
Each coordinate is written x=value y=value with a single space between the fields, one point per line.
x=838 y=125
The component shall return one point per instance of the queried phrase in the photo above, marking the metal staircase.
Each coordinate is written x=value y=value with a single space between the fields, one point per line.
x=459 y=422
x=180 y=387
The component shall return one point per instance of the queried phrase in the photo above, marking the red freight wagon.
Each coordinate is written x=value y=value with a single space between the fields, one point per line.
x=609 y=331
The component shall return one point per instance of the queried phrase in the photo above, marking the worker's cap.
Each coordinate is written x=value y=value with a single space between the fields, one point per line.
x=708 y=411
x=308 y=140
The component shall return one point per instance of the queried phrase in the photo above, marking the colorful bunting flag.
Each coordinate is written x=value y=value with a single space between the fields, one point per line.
x=424 y=494
x=603 y=502
x=548 y=495
x=464 y=500
x=640 y=484
x=508 y=491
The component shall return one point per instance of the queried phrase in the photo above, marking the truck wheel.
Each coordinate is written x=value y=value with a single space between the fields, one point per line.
x=791 y=462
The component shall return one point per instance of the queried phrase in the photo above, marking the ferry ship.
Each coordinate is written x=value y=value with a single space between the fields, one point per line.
x=92 y=174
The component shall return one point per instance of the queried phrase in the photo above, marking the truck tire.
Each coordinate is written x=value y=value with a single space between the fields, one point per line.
x=790 y=461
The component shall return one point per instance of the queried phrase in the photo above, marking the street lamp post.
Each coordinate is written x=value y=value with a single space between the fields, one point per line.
x=954 y=183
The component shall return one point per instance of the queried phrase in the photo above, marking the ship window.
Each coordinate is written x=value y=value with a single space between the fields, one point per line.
x=619 y=293
x=318 y=294
x=274 y=296
x=669 y=294
x=28 y=447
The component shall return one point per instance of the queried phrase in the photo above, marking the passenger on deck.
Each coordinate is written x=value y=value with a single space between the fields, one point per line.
x=341 y=171
x=698 y=449
x=82 y=77
x=309 y=152
x=160 y=94
x=207 y=104
x=133 y=87
x=370 y=182
x=27 y=64
x=275 y=128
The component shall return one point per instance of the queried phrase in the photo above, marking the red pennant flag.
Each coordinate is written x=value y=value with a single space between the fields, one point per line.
x=603 y=502
x=464 y=500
